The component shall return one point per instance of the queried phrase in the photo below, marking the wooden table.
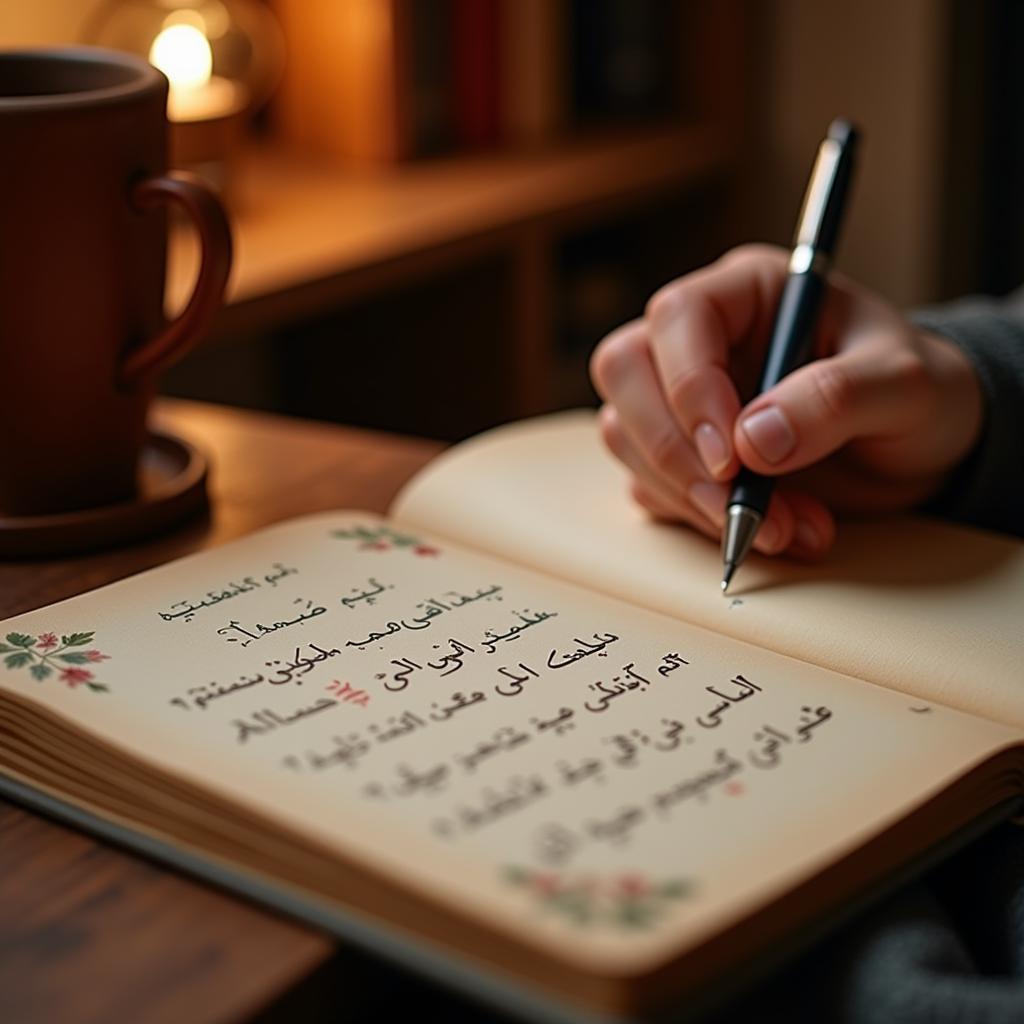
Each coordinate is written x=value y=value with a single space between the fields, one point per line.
x=91 y=933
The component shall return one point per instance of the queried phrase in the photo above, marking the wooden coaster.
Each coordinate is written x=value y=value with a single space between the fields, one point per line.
x=172 y=488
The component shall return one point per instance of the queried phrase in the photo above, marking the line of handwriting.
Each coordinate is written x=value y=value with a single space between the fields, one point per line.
x=187 y=609
x=431 y=609
x=558 y=841
x=370 y=595
x=444 y=665
x=284 y=672
x=264 y=721
x=489 y=641
x=233 y=632
x=559 y=723
x=625 y=753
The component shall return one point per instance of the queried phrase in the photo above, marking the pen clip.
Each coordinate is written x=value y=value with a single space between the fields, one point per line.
x=818 y=225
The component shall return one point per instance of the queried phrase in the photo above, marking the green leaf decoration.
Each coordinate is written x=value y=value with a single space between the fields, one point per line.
x=675 y=888
x=43 y=660
x=77 y=639
x=632 y=902
x=357 y=533
x=635 y=915
x=381 y=534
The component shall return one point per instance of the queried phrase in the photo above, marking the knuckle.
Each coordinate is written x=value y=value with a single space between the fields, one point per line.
x=665 y=303
x=912 y=376
x=614 y=355
x=665 y=454
x=611 y=431
x=834 y=388
x=753 y=252
x=639 y=493
x=684 y=391
x=651 y=502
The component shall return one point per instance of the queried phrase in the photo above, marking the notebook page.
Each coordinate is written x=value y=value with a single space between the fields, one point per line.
x=547 y=761
x=933 y=610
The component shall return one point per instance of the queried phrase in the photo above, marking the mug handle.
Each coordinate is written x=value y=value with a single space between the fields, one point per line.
x=192 y=195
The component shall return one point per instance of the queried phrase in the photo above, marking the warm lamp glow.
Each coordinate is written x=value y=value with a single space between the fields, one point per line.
x=183 y=54
x=221 y=58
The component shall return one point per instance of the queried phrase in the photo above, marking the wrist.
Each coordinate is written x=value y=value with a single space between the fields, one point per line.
x=960 y=400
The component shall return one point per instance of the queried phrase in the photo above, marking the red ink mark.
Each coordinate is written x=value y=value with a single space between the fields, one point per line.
x=347 y=693
x=424 y=549
x=734 y=788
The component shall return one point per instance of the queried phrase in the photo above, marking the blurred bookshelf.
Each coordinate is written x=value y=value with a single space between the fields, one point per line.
x=453 y=267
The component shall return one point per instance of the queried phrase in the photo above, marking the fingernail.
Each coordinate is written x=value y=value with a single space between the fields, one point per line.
x=771 y=433
x=807 y=536
x=711 y=446
x=710 y=499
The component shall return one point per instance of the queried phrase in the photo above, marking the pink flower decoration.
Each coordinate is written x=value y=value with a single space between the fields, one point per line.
x=74 y=676
x=96 y=656
x=545 y=883
x=47 y=641
x=376 y=545
x=425 y=549
x=633 y=885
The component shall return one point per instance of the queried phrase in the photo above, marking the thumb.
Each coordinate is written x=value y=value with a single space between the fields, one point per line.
x=865 y=391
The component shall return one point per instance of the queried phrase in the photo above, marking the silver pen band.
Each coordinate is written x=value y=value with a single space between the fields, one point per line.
x=805 y=258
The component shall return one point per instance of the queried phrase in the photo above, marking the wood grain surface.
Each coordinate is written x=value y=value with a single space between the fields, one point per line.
x=90 y=933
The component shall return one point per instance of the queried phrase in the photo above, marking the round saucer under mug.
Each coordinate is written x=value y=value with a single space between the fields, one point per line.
x=172 y=489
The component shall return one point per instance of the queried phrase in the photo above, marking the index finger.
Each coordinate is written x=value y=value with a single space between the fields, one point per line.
x=694 y=322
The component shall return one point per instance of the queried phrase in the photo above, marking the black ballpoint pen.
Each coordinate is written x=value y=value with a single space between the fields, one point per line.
x=795 y=320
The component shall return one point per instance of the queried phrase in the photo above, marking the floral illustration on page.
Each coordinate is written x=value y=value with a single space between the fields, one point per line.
x=630 y=901
x=383 y=538
x=45 y=655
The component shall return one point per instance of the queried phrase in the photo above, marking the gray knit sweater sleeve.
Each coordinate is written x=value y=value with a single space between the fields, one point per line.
x=988 y=488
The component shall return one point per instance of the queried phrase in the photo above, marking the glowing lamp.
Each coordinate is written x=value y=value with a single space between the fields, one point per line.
x=222 y=59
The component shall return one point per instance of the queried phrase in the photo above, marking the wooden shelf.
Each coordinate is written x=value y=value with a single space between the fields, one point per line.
x=310 y=235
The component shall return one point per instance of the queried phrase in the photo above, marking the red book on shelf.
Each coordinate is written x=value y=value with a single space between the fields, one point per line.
x=477 y=72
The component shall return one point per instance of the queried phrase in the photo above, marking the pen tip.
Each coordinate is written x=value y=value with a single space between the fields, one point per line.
x=730 y=568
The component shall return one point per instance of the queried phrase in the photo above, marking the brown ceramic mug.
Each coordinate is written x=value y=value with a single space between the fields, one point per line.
x=84 y=188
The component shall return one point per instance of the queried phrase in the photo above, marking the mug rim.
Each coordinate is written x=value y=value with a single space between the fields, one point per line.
x=148 y=78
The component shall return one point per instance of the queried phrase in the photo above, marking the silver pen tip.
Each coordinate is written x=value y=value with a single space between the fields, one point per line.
x=730 y=568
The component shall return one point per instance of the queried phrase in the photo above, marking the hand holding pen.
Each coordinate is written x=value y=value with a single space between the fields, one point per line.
x=876 y=422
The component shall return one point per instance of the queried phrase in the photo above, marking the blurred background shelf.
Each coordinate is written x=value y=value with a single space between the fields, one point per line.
x=308 y=233
x=449 y=202
x=433 y=238
x=313 y=239
x=441 y=206
x=435 y=231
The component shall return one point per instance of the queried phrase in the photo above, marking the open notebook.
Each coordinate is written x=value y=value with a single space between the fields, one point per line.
x=515 y=737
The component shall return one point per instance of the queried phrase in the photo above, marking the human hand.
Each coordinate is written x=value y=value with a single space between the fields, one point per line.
x=875 y=423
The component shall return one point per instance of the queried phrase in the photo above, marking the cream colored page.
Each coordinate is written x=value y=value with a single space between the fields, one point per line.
x=933 y=610
x=549 y=760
